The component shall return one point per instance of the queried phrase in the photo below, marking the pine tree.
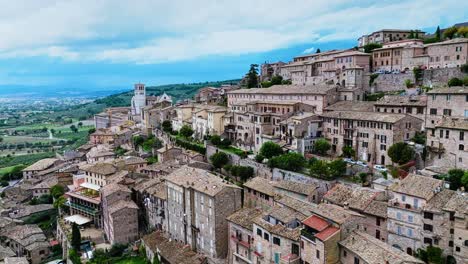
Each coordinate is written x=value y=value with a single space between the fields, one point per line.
x=76 y=237
x=437 y=34
x=318 y=51
x=252 y=76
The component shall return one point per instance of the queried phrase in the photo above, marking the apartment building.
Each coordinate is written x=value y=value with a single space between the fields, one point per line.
x=458 y=217
x=414 y=105
x=300 y=131
x=405 y=218
x=269 y=70
x=372 y=204
x=198 y=203
x=322 y=231
x=369 y=133
x=318 y=96
x=259 y=193
x=119 y=214
x=152 y=116
x=360 y=247
x=115 y=136
x=30 y=172
x=100 y=153
x=208 y=121
x=26 y=241
x=241 y=240
x=113 y=116
x=447 y=54
x=387 y=35
x=446 y=123
x=276 y=236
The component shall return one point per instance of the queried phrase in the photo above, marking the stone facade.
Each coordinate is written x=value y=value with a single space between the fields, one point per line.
x=386 y=35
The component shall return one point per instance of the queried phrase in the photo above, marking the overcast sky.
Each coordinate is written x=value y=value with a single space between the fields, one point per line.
x=112 y=44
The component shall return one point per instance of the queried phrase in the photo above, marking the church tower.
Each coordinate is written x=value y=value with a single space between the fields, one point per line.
x=138 y=99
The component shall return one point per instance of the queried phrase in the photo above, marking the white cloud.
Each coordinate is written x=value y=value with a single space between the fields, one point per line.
x=159 y=31
x=309 y=50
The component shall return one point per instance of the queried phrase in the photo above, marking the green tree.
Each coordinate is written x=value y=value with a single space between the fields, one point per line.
x=90 y=131
x=450 y=32
x=411 y=35
x=219 y=159
x=74 y=257
x=277 y=79
x=156 y=259
x=337 y=168
x=437 y=34
x=167 y=126
x=362 y=177
x=76 y=237
x=117 y=250
x=259 y=158
x=463 y=32
x=371 y=46
x=455 y=177
x=348 y=151
x=401 y=153
x=455 y=82
x=465 y=81
x=252 y=76
x=186 y=131
x=60 y=202
x=57 y=190
x=319 y=169
x=80 y=124
x=318 y=51
x=419 y=138
x=270 y=149
x=138 y=140
x=321 y=146
x=289 y=161
x=215 y=140
x=464 y=180
x=73 y=128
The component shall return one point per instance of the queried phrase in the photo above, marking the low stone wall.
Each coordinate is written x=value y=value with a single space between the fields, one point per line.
x=284 y=175
x=441 y=76
x=233 y=158
x=261 y=170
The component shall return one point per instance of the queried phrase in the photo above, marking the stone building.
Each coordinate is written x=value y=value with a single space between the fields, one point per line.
x=276 y=236
x=114 y=136
x=360 y=247
x=241 y=240
x=318 y=96
x=269 y=70
x=387 y=35
x=113 y=116
x=300 y=131
x=119 y=214
x=259 y=193
x=322 y=231
x=152 y=116
x=301 y=191
x=405 y=219
x=30 y=172
x=369 y=133
x=151 y=196
x=100 y=153
x=457 y=209
x=198 y=203
x=403 y=104
x=208 y=120
x=447 y=54
x=26 y=241
x=372 y=204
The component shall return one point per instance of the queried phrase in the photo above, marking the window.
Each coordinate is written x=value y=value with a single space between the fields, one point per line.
x=377 y=221
x=356 y=260
x=276 y=241
x=447 y=133
x=266 y=236
x=427 y=227
x=461 y=147
x=410 y=232
x=410 y=218
x=317 y=254
x=450 y=243
x=403 y=198
x=259 y=232
x=462 y=135
x=433 y=111
x=428 y=215
x=427 y=240
x=399 y=230
x=447 y=112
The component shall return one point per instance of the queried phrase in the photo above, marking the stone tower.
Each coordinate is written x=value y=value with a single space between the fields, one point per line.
x=138 y=99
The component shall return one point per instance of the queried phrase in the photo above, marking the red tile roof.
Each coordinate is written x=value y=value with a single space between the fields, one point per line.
x=316 y=223
x=328 y=232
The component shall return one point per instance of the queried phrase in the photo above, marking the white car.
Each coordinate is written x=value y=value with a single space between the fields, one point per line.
x=380 y=168
x=361 y=163
x=349 y=160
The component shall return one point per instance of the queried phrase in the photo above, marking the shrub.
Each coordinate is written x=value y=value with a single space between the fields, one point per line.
x=270 y=149
x=219 y=159
x=408 y=83
x=371 y=46
x=186 y=131
x=401 y=153
x=337 y=168
x=464 y=68
x=362 y=177
x=319 y=169
x=215 y=140
x=321 y=146
x=244 y=172
x=189 y=145
x=348 y=151
x=372 y=78
x=167 y=126
x=259 y=158
x=455 y=82
x=289 y=161
x=465 y=81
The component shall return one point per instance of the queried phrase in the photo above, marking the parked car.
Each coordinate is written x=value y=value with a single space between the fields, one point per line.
x=361 y=163
x=396 y=72
x=380 y=168
x=380 y=72
x=349 y=160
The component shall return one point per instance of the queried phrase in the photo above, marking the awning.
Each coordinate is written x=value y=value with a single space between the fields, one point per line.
x=78 y=219
x=88 y=185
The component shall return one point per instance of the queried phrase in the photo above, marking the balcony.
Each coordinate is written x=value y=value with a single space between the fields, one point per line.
x=241 y=242
x=86 y=209
x=309 y=236
x=290 y=259
x=436 y=149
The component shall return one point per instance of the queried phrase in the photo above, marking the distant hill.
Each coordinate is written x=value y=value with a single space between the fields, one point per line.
x=177 y=91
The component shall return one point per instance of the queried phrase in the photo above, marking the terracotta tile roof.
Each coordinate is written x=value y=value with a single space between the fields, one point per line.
x=377 y=208
x=287 y=89
x=122 y=204
x=365 y=106
x=100 y=168
x=327 y=233
x=201 y=180
x=296 y=204
x=458 y=203
x=41 y=164
x=112 y=188
x=335 y=213
x=316 y=223
x=374 y=251
x=439 y=201
x=367 y=116
x=172 y=251
x=402 y=100
x=6 y=252
x=29 y=236
x=262 y=185
x=301 y=188
x=417 y=185
x=355 y=198
x=244 y=217
x=453 y=123
x=16 y=260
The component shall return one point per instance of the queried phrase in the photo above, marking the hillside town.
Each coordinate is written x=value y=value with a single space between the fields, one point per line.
x=346 y=156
